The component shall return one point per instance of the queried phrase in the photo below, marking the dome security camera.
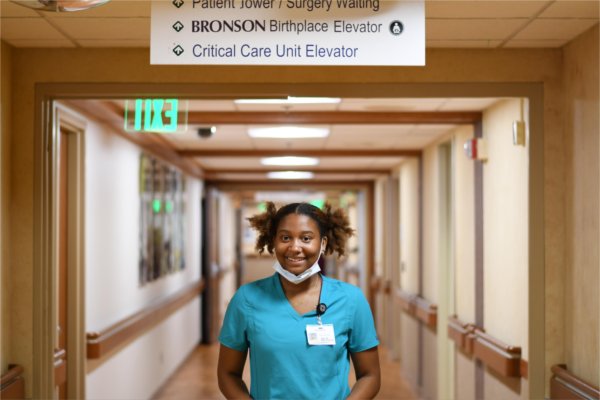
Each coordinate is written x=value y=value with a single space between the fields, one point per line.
x=206 y=131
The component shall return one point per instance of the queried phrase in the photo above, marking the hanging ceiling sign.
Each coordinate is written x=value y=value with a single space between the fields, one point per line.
x=288 y=32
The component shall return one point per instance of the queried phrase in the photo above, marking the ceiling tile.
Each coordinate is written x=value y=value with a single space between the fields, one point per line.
x=10 y=9
x=536 y=43
x=228 y=162
x=40 y=43
x=385 y=162
x=105 y=28
x=433 y=129
x=28 y=28
x=463 y=44
x=472 y=29
x=135 y=43
x=275 y=144
x=112 y=9
x=572 y=9
x=414 y=142
x=286 y=107
x=211 y=105
x=468 y=104
x=341 y=162
x=382 y=105
x=483 y=9
x=555 y=29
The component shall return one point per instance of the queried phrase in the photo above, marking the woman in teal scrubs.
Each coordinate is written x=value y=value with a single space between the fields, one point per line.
x=300 y=327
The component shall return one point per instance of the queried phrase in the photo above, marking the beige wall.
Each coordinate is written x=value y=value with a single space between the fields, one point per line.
x=464 y=227
x=409 y=226
x=431 y=223
x=464 y=388
x=5 y=118
x=505 y=228
x=581 y=283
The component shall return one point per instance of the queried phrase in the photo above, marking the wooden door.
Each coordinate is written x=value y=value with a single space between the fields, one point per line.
x=211 y=321
x=60 y=352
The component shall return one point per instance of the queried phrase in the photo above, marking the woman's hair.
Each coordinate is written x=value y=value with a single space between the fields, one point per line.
x=332 y=224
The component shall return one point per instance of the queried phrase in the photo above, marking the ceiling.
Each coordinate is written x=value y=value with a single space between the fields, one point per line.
x=455 y=24
x=353 y=151
x=388 y=130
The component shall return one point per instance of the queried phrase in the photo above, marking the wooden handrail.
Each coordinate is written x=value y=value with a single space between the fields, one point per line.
x=407 y=301
x=418 y=307
x=565 y=385
x=102 y=343
x=463 y=334
x=60 y=366
x=502 y=358
x=12 y=384
x=426 y=312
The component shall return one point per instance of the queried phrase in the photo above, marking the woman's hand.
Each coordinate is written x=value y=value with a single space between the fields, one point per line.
x=229 y=373
x=368 y=375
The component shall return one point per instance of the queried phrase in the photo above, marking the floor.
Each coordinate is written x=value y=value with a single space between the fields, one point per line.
x=197 y=379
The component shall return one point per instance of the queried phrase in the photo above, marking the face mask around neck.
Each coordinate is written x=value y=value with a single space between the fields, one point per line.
x=296 y=279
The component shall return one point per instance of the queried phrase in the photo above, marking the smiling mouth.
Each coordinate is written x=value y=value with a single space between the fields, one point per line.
x=295 y=259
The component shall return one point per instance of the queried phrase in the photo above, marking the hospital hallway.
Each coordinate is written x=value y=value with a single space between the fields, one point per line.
x=444 y=178
x=196 y=378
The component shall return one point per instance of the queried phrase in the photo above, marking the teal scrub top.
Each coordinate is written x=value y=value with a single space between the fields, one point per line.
x=282 y=363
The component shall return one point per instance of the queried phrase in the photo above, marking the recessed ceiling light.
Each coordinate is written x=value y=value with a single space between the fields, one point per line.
x=288 y=132
x=60 y=5
x=291 y=100
x=290 y=175
x=289 y=160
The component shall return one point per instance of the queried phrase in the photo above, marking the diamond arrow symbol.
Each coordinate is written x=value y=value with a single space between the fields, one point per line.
x=178 y=26
x=178 y=3
x=178 y=50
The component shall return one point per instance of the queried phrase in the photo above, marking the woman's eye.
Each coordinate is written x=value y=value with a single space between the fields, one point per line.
x=306 y=238
x=285 y=238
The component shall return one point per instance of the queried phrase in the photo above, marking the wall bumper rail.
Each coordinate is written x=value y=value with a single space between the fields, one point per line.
x=13 y=383
x=498 y=356
x=565 y=385
x=418 y=307
x=99 y=344
x=463 y=334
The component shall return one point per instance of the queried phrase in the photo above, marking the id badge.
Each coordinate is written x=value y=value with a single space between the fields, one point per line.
x=320 y=335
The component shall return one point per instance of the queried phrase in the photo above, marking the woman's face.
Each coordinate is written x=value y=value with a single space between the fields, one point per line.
x=298 y=243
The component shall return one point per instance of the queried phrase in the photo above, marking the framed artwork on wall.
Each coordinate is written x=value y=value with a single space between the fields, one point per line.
x=162 y=219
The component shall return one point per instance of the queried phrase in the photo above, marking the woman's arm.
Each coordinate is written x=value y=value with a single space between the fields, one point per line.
x=368 y=376
x=229 y=373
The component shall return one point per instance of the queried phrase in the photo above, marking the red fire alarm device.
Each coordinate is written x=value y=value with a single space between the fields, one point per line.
x=475 y=149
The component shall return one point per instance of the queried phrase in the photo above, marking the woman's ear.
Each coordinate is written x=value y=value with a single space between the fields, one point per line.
x=323 y=244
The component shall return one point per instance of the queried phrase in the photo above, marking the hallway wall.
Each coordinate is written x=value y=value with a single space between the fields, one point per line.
x=113 y=291
x=5 y=136
x=581 y=274
x=505 y=252
x=464 y=256
x=409 y=267
x=505 y=239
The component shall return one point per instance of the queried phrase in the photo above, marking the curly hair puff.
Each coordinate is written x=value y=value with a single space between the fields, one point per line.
x=333 y=224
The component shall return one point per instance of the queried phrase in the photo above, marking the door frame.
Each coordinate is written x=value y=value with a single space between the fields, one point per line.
x=45 y=178
x=45 y=294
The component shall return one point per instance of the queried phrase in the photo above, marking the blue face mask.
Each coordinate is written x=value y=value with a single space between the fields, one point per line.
x=296 y=279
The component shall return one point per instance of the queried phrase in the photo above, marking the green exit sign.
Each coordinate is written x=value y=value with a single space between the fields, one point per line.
x=155 y=115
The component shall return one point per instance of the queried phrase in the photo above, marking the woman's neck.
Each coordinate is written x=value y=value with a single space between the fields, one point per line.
x=292 y=289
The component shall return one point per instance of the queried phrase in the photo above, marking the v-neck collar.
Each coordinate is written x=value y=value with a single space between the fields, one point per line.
x=291 y=310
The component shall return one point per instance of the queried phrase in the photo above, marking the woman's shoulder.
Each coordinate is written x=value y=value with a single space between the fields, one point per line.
x=256 y=287
x=348 y=289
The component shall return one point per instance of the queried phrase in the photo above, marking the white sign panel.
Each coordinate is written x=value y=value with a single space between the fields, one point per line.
x=288 y=32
